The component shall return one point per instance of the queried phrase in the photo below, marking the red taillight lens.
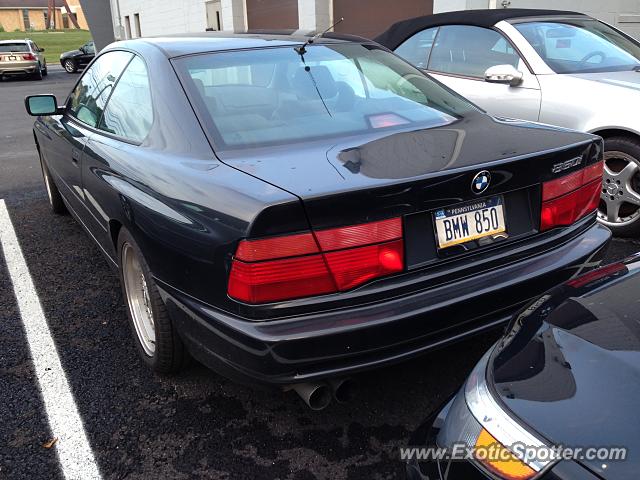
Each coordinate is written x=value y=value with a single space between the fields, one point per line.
x=29 y=56
x=355 y=266
x=568 y=199
x=277 y=247
x=280 y=279
x=321 y=262
x=365 y=234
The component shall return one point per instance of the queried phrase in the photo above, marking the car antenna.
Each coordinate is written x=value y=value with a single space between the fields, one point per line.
x=302 y=49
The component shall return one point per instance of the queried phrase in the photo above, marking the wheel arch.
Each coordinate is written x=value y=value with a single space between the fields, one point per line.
x=609 y=132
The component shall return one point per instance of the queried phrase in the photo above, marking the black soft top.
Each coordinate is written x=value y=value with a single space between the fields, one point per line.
x=400 y=31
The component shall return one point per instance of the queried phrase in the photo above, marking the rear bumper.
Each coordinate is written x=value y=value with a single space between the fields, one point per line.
x=18 y=68
x=348 y=340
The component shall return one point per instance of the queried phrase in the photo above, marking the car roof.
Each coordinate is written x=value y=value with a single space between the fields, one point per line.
x=201 y=42
x=487 y=18
x=23 y=40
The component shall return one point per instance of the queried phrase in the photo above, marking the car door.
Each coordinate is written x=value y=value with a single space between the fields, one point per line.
x=459 y=55
x=67 y=134
x=123 y=126
x=88 y=52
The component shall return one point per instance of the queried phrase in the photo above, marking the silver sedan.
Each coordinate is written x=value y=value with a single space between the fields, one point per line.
x=559 y=68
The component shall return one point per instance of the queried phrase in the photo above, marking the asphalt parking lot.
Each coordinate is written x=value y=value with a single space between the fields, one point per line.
x=197 y=424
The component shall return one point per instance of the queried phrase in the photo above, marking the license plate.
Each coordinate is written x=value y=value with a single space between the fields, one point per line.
x=469 y=221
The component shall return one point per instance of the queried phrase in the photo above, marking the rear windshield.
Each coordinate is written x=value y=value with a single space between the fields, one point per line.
x=14 y=47
x=277 y=95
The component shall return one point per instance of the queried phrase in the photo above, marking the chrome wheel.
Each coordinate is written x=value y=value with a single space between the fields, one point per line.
x=620 y=200
x=138 y=300
x=70 y=66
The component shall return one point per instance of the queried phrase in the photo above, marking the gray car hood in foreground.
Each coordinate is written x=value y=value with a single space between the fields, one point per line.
x=570 y=368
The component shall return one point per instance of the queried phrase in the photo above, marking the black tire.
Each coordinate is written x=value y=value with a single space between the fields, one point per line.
x=55 y=199
x=170 y=354
x=70 y=65
x=618 y=152
x=37 y=75
x=45 y=72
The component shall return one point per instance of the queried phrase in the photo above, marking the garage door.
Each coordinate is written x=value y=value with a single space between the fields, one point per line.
x=369 y=18
x=272 y=14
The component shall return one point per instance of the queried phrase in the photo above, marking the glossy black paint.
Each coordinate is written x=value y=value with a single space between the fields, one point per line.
x=571 y=368
x=82 y=56
x=568 y=369
x=188 y=205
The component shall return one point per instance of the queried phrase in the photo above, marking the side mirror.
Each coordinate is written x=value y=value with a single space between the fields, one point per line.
x=506 y=74
x=41 y=50
x=37 y=105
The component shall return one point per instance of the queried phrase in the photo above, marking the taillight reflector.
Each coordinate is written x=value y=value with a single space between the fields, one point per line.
x=29 y=56
x=365 y=234
x=567 y=199
x=280 y=279
x=573 y=181
x=315 y=263
x=571 y=207
x=276 y=247
x=355 y=266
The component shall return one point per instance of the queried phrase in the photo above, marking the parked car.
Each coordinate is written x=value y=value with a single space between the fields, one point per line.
x=306 y=211
x=22 y=57
x=74 y=60
x=565 y=373
x=560 y=68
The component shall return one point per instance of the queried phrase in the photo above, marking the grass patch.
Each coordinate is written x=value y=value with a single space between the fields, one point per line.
x=54 y=42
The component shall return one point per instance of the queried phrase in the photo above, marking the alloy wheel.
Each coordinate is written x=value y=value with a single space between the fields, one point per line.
x=620 y=200
x=69 y=66
x=138 y=299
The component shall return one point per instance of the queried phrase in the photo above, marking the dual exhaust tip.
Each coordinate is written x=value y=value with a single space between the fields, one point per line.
x=318 y=395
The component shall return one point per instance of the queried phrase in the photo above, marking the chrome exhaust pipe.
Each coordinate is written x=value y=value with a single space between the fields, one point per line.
x=342 y=389
x=316 y=395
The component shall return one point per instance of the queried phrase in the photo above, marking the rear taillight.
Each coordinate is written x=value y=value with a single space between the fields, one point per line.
x=315 y=263
x=570 y=198
x=29 y=56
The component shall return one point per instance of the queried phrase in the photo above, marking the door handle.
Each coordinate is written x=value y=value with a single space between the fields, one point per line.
x=75 y=156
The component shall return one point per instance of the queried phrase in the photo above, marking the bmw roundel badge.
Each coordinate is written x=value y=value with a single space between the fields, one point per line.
x=481 y=182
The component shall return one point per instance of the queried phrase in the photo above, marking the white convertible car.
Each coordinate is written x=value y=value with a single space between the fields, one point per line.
x=559 y=68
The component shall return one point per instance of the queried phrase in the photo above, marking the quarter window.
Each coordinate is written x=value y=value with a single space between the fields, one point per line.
x=87 y=100
x=416 y=49
x=470 y=51
x=129 y=113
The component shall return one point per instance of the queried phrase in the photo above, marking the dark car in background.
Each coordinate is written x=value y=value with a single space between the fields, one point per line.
x=564 y=374
x=75 y=60
x=291 y=212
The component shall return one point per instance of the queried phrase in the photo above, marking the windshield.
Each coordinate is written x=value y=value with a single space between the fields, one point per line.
x=276 y=95
x=581 y=46
x=14 y=47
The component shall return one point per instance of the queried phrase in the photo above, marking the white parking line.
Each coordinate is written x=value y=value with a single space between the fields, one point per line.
x=74 y=453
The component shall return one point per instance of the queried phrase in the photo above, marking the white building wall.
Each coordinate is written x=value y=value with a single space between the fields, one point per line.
x=234 y=15
x=623 y=14
x=315 y=15
x=158 y=17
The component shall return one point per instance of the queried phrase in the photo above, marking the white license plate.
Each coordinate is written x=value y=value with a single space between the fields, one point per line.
x=470 y=221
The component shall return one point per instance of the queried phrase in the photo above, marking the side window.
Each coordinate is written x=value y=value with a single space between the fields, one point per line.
x=129 y=113
x=90 y=48
x=469 y=51
x=87 y=100
x=416 y=49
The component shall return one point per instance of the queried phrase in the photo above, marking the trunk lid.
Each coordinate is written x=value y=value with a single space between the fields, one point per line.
x=360 y=179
